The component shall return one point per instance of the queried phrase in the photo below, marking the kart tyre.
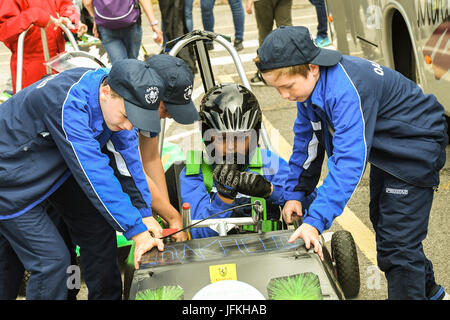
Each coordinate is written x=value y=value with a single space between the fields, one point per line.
x=343 y=252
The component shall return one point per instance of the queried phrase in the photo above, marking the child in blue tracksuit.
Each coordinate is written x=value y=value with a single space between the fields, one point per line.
x=229 y=115
x=359 y=112
x=74 y=131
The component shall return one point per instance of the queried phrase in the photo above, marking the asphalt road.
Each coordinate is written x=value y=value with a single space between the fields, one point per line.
x=279 y=118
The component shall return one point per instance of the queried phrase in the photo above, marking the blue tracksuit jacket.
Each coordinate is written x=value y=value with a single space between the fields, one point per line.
x=55 y=128
x=362 y=112
x=203 y=204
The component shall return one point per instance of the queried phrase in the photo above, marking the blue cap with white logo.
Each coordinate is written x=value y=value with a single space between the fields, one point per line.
x=141 y=88
x=291 y=46
x=178 y=83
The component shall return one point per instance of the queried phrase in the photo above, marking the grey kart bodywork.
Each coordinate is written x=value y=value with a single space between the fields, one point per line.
x=258 y=258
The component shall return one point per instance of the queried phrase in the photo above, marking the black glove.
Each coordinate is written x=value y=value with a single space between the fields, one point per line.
x=254 y=185
x=226 y=178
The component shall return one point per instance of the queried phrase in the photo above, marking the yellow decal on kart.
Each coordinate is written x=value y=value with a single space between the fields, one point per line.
x=222 y=272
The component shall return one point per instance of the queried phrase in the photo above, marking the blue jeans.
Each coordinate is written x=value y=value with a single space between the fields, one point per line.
x=122 y=43
x=188 y=14
x=322 y=28
x=238 y=16
x=32 y=241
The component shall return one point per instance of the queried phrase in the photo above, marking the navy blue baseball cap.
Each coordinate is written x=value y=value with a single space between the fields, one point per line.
x=178 y=83
x=140 y=87
x=289 y=46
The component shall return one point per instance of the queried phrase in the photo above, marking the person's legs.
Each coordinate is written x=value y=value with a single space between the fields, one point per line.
x=207 y=7
x=98 y=254
x=37 y=243
x=399 y=213
x=237 y=11
x=96 y=239
x=113 y=44
x=188 y=14
x=64 y=232
x=322 y=27
x=11 y=271
x=264 y=15
x=283 y=13
x=132 y=38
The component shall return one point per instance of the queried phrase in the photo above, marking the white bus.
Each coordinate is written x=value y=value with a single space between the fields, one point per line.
x=410 y=36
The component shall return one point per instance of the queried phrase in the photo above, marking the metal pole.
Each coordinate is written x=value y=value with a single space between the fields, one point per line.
x=20 y=59
x=161 y=136
x=45 y=48
x=70 y=36
x=205 y=66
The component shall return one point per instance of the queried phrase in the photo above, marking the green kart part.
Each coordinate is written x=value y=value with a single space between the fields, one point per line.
x=162 y=293
x=170 y=154
x=303 y=286
x=4 y=96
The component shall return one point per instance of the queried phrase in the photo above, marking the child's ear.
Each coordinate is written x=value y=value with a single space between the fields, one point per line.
x=315 y=69
x=105 y=92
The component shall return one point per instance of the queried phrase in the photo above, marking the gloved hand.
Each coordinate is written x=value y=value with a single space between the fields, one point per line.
x=226 y=178
x=255 y=185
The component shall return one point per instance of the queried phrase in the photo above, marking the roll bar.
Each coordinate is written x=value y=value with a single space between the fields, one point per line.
x=197 y=38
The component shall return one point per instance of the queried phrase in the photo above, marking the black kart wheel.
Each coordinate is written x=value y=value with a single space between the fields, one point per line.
x=343 y=252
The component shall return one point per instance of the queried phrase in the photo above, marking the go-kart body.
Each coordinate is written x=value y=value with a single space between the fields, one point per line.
x=259 y=260
x=265 y=262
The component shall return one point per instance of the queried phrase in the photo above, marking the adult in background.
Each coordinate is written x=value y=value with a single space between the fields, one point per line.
x=188 y=14
x=121 y=37
x=266 y=12
x=237 y=10
x=174 y=22
x=17 y=15
x=322 y=39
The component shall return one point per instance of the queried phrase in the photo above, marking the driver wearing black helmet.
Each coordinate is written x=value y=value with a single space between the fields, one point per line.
x=232 y=169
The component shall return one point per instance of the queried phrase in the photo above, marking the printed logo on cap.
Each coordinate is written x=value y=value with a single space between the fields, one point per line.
x=188 y=92
x=151 y=95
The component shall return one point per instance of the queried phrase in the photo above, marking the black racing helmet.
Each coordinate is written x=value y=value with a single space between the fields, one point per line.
x=230 y=109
